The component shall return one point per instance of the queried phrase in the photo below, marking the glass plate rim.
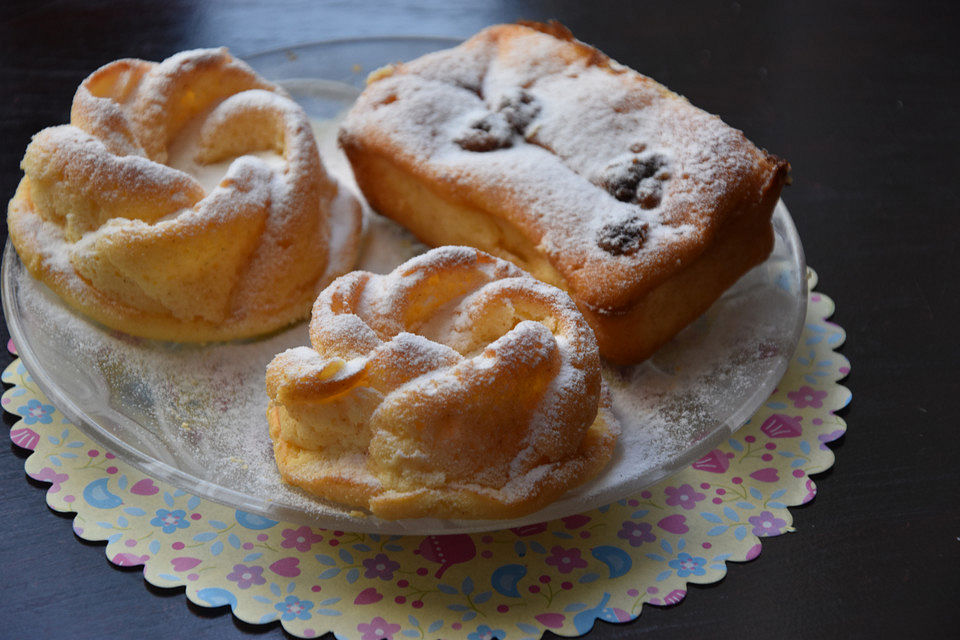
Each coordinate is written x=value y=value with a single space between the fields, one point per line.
x=349 y=40
x=236 y=499
x=162 y=471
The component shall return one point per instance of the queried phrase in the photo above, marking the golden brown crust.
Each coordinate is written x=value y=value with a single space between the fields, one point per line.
x=545 y=188
x=740 y=245
x=456 y=386
x=103 y=219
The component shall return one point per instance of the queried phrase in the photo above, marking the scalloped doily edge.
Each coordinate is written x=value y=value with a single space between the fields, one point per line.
x=749 y=546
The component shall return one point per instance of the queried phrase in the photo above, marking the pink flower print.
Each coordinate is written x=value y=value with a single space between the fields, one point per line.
x=129 y=559
x=824 y=438
x=674 y=596
x=380 y=566
x=300 y=539
x=447 y=550
x=807 y=397
x=636 y=533
x=575 y=521
x=530 y=529
x=715 y=462
x=246 y=576
x=780 y=425
x=566 y=560
x=766 y=524
x=684 y=495
x=49 y=475
x=25 y=437
x=377 y=629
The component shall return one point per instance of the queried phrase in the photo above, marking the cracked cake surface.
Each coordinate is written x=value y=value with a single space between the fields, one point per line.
x=537 y=148
x=455 y=386
x=186 y=200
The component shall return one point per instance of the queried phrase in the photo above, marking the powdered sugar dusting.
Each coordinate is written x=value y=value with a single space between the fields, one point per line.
x=229 y=239
x=515 y=102
x=202 y=409
x=210 y=175
x=443 y=318
x=385 y=244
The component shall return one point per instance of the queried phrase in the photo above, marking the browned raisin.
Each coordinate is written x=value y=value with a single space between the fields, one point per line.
x=624 y=237
x=648 y=193
x=636 y=179
x=490 y=132
x=519 y=108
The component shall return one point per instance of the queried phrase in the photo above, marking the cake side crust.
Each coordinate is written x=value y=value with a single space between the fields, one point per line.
x=547 y=181
x=625 y=334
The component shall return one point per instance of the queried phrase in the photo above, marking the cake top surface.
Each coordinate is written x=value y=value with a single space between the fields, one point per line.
x=185 y=200
x=464 y=376
x=617 y=180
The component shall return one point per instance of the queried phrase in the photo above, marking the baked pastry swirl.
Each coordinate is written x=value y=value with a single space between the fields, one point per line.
x=112 y=216
x=539 y=149
x=455 y=386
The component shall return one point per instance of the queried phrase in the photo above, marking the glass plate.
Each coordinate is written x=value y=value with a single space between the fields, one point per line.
x=194 y=416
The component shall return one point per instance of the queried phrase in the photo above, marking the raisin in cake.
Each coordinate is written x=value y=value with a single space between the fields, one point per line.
x=537 y=148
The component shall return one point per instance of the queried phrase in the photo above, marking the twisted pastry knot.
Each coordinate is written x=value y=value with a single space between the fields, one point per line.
x=141 y=246
x=456 y=386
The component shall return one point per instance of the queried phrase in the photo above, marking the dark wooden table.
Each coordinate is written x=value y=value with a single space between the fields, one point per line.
x=860 y=97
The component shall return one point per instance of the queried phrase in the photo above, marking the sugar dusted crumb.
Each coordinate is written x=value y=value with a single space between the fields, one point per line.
x=202 y=406
x=500 y=107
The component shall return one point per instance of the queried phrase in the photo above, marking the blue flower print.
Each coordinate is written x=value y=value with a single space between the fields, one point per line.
x=484 y=632
x=170 y=521
x=293 y=607
x=36 y=412
x=686 y=565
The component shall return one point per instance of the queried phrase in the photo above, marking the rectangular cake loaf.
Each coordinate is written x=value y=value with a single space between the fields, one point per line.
x=537 y=148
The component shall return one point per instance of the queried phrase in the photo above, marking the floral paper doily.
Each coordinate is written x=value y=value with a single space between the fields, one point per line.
x=560 y=575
